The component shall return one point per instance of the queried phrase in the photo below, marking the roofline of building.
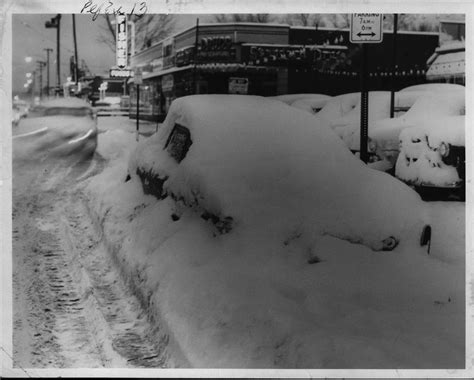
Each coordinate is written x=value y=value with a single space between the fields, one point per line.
x=276 y=25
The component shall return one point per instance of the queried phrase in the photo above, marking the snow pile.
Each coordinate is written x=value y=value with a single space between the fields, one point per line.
x=420 y=162
x=248 y=298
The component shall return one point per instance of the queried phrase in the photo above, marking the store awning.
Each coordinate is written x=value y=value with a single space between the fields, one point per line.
x=163 y=72
x=447 y=65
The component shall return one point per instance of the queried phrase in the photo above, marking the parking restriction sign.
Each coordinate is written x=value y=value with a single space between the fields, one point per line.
x=366 y=28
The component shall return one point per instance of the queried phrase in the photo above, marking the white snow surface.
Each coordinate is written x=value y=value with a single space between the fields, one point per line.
x=248 y=299
x=311 y=105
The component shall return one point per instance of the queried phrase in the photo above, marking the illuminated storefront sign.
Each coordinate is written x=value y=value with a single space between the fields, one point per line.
x=121 y=40
x=118 y=73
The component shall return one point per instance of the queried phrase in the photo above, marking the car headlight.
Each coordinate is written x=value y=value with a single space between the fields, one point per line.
x=372 y=145
x=443 y=149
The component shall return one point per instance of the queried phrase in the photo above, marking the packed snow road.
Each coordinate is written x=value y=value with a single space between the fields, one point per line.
x=71 y=308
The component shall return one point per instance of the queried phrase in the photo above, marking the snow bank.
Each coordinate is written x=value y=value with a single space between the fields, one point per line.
x=248 y=299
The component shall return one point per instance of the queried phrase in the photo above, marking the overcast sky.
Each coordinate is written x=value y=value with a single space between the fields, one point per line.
x=30 y=38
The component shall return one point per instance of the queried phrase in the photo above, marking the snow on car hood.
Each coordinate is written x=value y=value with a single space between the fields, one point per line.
x=269 y=165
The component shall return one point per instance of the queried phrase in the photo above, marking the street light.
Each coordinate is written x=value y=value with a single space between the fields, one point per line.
x=28 y=75
x=28 y=59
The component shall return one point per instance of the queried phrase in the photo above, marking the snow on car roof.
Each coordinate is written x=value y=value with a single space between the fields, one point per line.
x=291 y=98
x=257 y=160
x=449 y=130
x=65 y=102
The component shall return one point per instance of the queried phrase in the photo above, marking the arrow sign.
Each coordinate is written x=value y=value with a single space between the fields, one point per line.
x=366 y=28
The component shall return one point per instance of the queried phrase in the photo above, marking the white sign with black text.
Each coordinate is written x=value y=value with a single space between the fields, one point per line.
x=366 y=28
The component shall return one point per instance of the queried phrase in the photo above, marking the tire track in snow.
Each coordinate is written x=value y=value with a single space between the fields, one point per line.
x=71 y=308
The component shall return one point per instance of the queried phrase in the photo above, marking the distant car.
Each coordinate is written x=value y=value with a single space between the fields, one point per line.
x=58 y=127
x=432 y=157
x=16 y=116
x=241 y=160
x=22 y=107
x=428 y=107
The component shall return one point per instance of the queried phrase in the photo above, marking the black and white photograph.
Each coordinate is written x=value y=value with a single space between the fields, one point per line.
x=251 y=192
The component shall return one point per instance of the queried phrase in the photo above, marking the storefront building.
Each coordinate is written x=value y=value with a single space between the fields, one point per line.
x=266 y=60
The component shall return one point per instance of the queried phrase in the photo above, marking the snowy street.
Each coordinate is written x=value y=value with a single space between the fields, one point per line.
x=71 y=308
x=92 y=258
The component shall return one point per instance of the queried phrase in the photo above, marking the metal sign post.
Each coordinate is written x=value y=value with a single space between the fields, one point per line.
x=365 y=28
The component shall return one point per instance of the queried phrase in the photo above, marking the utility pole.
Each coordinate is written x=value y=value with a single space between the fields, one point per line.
x=41 y=65
x=48 y=50
x=76 y=66
x=394 y=65
x=56 y=23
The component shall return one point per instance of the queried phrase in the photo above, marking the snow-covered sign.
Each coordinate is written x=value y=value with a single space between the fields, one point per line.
x=121 y=41
x=366 y=28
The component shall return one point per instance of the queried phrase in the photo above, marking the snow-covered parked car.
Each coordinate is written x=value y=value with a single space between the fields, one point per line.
x=243 y=162
x=432 y=157
x=57 y=127
x=428 y=107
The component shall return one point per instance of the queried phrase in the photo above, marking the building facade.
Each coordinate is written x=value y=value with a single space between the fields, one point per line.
x=267 y=60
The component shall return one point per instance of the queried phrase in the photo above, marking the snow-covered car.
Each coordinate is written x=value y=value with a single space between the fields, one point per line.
x=429 y=107
x=337 y=107
x=432 y=157
x=57 y=127
x=243 y=162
